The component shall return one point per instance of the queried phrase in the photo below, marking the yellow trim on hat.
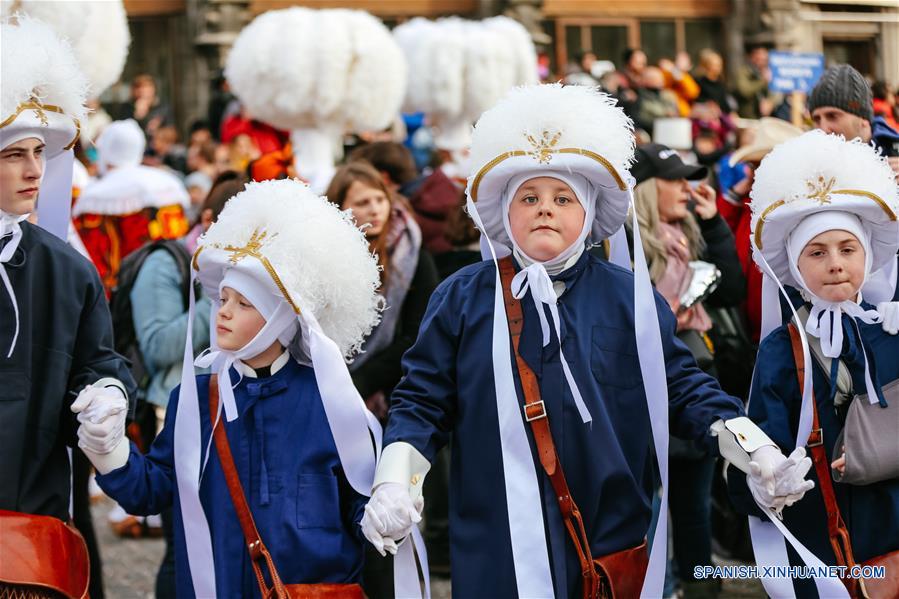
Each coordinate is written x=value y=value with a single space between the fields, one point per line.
x=849 y=192
x=543 y=152
x=252 y=249
x=40 y=109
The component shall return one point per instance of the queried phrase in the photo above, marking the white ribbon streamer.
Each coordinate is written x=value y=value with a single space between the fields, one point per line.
x=655 y=384
x=54 y=204
x=535 y=278
x=10 y=224
x=187 y=468
x=530 y=555
x=406 y=584
x=768 y=538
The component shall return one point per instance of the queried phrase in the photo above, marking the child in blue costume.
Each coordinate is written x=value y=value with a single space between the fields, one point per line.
x=825 y=218
x=286 y=315
x=550 y=176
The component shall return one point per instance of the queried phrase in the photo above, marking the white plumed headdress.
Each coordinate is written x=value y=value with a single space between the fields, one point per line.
x=819 y=172
x=553 y=128
x=310 y=266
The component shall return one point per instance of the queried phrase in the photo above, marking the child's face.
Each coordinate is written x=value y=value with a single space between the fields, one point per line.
x=237 y=321
x=369 y=205
x=833 y=265
x=545 y=217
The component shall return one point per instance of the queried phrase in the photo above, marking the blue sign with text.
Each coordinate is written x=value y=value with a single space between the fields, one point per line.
x=794 y=71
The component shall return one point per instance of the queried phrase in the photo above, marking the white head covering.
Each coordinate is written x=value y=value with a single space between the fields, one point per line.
x=121 y=144
x=42 y=95
x=580 y=136
x=306 y=267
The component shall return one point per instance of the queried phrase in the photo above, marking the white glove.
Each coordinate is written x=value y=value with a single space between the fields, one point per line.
x=776 y=481
x=390 y=515
x=101 y=412
x=889 y=311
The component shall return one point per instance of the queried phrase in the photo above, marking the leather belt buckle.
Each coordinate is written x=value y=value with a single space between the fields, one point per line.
x=534 y=411
x=816 y=438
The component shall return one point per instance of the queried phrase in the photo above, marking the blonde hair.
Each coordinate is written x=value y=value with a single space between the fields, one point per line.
x=646 y=202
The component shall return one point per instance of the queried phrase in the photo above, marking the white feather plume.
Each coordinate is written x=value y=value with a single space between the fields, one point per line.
x=784 y=172
x=458 y=68
x=377 y=76
x=302 y=68
x=583 y=117
x=97 y=30
x=38 y=63
x=317 y=251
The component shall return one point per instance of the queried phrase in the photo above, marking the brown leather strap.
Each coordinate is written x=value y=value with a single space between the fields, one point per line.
x=259 y=553
x=836 y=527
x=535 y=414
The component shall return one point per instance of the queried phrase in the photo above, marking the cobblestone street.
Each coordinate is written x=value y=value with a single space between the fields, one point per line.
x=129 y=566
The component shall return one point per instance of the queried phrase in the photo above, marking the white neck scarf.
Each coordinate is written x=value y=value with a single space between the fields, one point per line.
x=9 y=225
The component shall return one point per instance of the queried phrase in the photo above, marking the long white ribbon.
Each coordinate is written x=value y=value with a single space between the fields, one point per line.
x=768 y=538
x=11 y=224
x=655 y=384
x=535 y=278
x=197 y=537
x=54 y=203
x=530 y=555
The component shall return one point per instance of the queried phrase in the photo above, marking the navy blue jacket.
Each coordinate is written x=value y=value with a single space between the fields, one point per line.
x=448 y=388
x=305 y=510
x=871 y=512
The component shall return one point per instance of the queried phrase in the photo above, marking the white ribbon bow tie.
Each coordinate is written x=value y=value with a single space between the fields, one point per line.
x=536 y=279
x=825 y=322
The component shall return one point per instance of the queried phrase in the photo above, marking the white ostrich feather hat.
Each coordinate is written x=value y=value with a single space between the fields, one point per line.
x=96 y=29
x=42 y=89
x=818 y=172
x=551 y=127
x=301 y=247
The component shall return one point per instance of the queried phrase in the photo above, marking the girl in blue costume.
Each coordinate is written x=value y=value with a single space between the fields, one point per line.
x=287 y=312
x=550 y=176
x=824 y=218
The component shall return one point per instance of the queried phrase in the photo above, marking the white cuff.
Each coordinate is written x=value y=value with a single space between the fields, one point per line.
x=109 y=382
x=738 y=438
x=107 y=462
x=401 y=463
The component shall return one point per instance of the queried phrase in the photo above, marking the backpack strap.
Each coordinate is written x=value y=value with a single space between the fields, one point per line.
x=259 y=553
x=182 y=258
x=535 y=415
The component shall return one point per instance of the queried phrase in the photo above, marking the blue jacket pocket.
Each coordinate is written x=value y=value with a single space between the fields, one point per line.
x=318 y=502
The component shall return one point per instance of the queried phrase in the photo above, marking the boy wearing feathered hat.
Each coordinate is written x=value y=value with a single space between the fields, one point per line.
x=55 y=332
x=293 y=287
x=825 y=218
x=539 y=490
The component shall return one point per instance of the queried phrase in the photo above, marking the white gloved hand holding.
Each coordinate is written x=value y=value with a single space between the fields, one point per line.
x=776 y=481
x=889 y=311
x=389 y=516
x=101 y=412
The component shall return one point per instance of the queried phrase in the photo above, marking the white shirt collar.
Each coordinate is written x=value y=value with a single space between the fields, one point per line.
x=277 y=365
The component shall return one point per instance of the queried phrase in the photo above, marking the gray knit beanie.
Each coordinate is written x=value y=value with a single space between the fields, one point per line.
x=843 y=87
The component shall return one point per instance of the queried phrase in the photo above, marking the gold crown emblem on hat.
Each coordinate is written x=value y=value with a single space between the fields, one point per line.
x=250 y=248
x=820 y=189
x=543 y=146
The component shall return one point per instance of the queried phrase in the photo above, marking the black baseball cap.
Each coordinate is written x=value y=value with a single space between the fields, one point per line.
x=656 y=160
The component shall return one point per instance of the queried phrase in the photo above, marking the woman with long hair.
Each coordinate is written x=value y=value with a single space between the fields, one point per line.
x=408 y=276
